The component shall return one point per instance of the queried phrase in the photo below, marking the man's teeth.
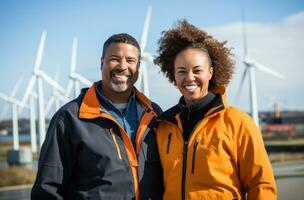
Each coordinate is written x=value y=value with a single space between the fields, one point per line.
x=120 y=76
x=191 y=87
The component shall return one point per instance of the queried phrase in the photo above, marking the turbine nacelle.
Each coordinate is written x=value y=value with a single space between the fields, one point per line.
x=253 y=63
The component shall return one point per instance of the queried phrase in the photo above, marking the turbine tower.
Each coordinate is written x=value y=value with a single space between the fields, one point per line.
x=12 y=95
x=250 y=66
x=14 y=103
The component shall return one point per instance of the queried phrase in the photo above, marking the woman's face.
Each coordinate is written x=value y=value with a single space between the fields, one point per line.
x=192 y=73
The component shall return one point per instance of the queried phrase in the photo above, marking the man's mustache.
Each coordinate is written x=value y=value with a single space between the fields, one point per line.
x=125 y=72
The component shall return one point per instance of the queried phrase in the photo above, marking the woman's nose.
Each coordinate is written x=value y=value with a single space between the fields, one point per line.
x=190 y=76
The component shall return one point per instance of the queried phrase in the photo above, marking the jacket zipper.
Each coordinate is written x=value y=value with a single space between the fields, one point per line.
x=194 y=155
x=185 y=149
x=169 y=142
x=116 y=144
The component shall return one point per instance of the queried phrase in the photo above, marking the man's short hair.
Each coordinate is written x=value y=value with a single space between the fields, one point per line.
x=121 y=38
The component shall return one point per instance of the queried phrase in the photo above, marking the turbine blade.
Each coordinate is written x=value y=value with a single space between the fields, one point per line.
x=50 y=80
x=49 y=105
x=73 y=56
x=263 y=68
x=28 y=90
x=241 y=85
x=16 y=87
x=10 y=100
x=147 y=57
x=40 y=51
x=144 y=36
x=83 y=80
x=62 y=98
x=4 y=97
x=69 y=88
x=4 y=112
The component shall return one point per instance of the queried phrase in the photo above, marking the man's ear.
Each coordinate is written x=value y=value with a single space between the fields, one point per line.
x=101 y=63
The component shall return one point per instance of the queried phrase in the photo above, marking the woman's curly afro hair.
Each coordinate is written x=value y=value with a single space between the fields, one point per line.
x=184 y=36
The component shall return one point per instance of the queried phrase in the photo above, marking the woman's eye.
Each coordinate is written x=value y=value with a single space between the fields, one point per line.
x=197 y=71
x=181 y=71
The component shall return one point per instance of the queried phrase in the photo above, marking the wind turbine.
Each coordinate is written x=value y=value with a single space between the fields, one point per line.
x=75 y=78
x=38 y=76
x=12 y=95
x=142 y=82
x=14 y=103
x=250 y=66
x=15 y=122
x=33 y=133
x=56 y=97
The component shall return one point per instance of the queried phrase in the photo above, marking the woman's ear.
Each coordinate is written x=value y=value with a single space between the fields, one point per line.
x=211 y=72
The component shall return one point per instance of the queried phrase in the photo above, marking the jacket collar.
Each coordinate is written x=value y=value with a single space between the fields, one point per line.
x=90 y=105
x=197 y=107
x=220 y=92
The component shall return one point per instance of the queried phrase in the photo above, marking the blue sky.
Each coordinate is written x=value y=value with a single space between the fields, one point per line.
x=93 y=21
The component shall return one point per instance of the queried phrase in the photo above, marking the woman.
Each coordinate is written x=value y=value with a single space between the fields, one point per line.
x=208 y=149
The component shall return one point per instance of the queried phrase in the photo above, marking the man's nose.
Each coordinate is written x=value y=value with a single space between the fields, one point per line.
x=123 y=64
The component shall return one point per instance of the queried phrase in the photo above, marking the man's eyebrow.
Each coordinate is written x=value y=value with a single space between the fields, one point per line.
x=131 y=57
x=113 y=55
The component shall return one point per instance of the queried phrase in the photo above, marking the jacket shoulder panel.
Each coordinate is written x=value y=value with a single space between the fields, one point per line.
x=169 y=115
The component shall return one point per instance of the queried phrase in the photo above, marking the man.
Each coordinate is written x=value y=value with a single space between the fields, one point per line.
x=101 y=145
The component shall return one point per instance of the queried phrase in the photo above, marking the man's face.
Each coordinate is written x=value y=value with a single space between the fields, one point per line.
x=119 y=67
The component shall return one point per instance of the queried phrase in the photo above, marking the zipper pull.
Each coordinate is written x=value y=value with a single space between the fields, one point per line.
x=194 y=155
x=185 y=148
x=169 y=142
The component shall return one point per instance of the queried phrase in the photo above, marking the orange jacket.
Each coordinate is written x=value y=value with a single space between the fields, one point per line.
x=225 y=157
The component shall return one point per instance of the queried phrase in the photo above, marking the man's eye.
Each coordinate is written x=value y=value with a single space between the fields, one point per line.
x=131 y=61
x=114 y=59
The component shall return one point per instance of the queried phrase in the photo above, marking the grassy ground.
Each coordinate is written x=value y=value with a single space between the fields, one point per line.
x=16 y=176
x=285 y=157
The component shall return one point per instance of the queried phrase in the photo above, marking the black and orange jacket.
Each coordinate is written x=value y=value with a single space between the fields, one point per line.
x=88 y=155
x=224 y=158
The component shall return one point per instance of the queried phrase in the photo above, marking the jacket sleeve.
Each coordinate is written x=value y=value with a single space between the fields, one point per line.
x=55 y=163
x=255 y=170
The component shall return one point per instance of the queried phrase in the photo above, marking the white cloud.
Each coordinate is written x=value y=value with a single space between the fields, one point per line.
x=279 y=46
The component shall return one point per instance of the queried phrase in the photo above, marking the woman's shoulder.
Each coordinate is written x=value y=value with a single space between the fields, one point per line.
x=237 y=115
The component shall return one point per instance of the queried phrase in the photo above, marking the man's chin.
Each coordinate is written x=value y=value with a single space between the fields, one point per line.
x=121 y=88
